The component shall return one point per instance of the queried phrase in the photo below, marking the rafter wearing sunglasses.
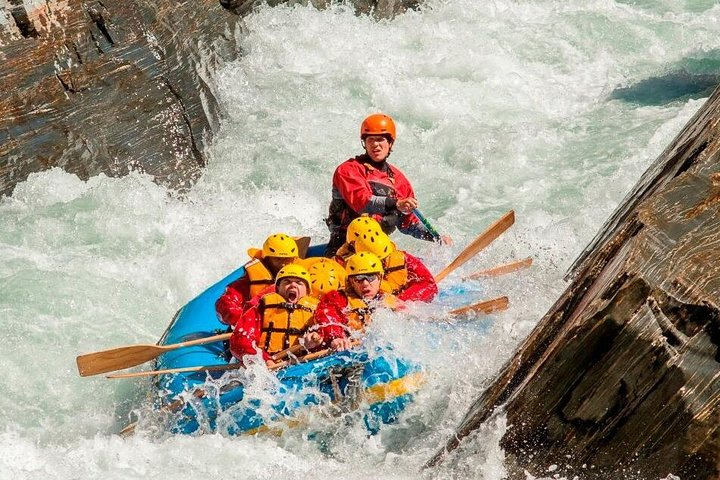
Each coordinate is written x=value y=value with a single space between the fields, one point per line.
x=361 y=278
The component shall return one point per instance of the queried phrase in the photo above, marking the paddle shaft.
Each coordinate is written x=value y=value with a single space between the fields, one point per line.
x=215 y=368
x=501 y=269
x=125 y=357
x=482 y=241
x=424 y=221
x=288 y=351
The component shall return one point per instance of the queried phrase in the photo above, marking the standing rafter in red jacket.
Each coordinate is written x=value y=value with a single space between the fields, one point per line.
x=369 y=184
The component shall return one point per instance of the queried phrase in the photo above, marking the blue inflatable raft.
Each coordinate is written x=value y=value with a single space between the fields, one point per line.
x=373 y=379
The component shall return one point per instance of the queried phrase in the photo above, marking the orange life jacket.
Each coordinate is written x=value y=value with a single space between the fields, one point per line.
x=396 y=274
x=260 y=277
x=283 y=323
x=359 y=313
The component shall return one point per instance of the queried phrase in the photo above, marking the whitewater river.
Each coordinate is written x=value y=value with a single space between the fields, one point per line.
x=551 y=108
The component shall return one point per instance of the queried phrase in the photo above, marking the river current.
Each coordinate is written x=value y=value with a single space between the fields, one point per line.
x=551 y=108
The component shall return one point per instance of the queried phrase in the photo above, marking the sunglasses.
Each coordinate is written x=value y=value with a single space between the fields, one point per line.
x=361 y=278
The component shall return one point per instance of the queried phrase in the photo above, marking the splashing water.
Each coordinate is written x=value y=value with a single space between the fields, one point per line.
x=499 y=105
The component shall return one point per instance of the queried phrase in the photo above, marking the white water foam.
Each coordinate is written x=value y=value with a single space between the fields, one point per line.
x=499 y=105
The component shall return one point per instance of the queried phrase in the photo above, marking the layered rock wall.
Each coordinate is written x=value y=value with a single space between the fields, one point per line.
x=94 y=86
x=621 y=378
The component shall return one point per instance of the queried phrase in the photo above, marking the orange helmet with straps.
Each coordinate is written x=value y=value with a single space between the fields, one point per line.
x=378 y=124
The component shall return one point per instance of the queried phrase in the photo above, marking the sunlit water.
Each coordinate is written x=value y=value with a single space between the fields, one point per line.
x=500 y=105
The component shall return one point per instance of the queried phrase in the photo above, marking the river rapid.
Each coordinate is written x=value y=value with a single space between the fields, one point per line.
x=551 y=108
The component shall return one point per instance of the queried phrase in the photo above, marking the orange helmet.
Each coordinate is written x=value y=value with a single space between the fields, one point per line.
x=378 y=124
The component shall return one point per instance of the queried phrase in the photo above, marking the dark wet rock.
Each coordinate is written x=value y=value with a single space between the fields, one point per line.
x=93 y=86
x=621 y=378
x=109 y=87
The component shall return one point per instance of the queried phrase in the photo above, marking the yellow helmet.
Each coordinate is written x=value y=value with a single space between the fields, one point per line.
x=362 y=227
x=277 y=245
x=294 y=270
x=364 y=262
x=379 y=245
x=325 y=276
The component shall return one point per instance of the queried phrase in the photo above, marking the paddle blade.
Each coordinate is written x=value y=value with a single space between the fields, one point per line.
x=501 y=269
x=116 y=359
x=485 y=307
x=128 y=430
x=130 y=356
x=303 y=243
x=482 y=241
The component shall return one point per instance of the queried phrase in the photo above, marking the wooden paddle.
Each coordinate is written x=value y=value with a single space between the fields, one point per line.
x=501 y=269
x=303 y=243
x=215 y=368
x=482 y=241
x=125 y=357
x=485 y=307
x=288 y=351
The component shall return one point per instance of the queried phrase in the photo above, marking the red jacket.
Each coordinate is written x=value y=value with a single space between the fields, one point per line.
x=331 y=318
x=363 y=186
x=232 y=304
x=359 y=180
x=420 y=284
x=333 y=314
x=248 y=329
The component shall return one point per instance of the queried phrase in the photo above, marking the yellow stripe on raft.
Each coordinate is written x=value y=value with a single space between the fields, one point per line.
x=396 y=388
x=375 y=394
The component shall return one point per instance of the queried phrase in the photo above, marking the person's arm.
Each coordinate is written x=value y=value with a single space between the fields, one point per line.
x=409 y=223
x=420 y=284
x=245 y=337
x=351 y=182
x=330 y=320
x=231 y=304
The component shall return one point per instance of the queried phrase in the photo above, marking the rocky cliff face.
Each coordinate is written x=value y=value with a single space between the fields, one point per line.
x=107 y=87
x=93 y=86
x=621 y=378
